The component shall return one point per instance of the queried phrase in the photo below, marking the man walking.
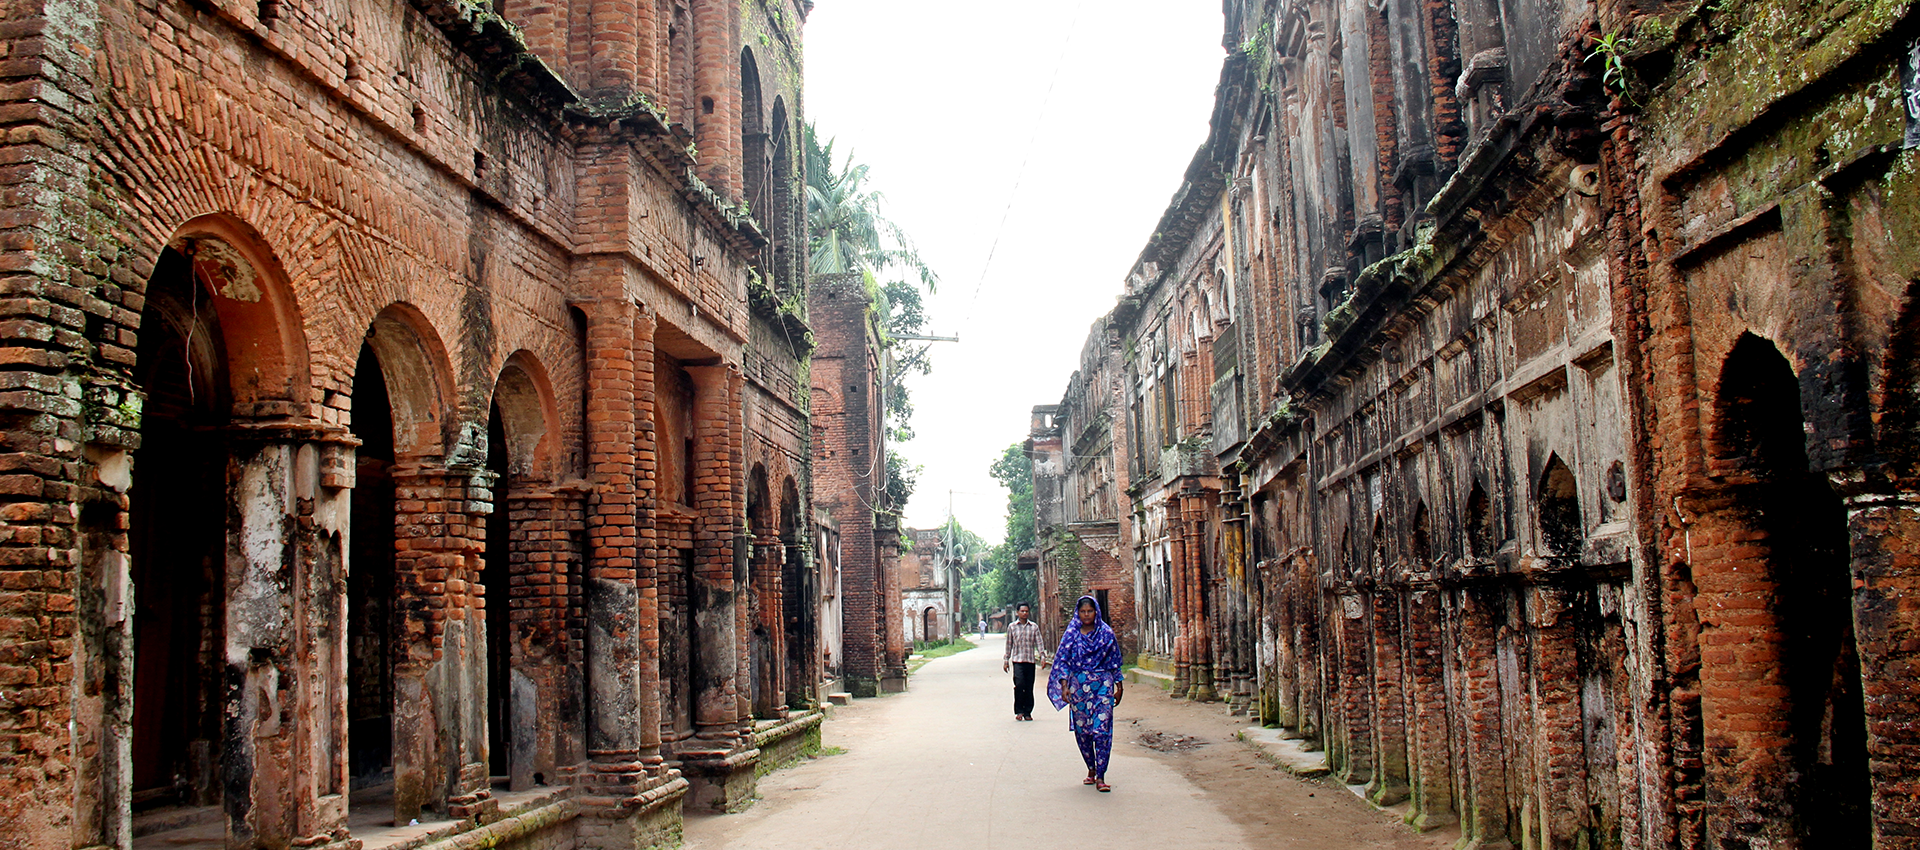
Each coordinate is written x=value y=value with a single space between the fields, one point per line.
x=1023 y=640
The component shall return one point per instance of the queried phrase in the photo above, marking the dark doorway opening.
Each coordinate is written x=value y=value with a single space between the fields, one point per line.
x=1804 y=528
x=797 y=600
x=177 y=536
x=496 y=581
x=371 y=582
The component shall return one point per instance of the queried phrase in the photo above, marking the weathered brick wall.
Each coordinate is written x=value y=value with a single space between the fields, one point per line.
x=1508 y=533
x=849 y=470
x=327 y=170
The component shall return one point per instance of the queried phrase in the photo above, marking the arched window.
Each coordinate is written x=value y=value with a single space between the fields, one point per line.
x=1561 y=528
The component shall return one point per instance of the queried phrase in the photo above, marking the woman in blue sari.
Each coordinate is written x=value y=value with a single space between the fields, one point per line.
x=1086 y=676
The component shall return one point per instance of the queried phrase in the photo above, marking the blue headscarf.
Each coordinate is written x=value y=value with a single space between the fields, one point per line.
x=1088 y=659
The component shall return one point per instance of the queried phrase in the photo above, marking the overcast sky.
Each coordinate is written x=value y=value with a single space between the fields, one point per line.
x=945 y=101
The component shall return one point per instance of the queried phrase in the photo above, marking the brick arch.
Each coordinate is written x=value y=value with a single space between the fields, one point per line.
x=259 y=318
x=414 y=363
x=530 y=416
x=759 y=505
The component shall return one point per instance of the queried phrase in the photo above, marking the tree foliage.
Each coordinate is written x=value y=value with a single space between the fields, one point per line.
x=848 y=232
x=1001 y=583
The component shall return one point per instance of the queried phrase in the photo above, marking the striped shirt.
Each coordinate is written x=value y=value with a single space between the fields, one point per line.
x=1023 y=641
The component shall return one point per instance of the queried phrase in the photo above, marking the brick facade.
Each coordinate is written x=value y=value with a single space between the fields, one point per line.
x=1513 y=402
x=335 y=340
x=850 y=480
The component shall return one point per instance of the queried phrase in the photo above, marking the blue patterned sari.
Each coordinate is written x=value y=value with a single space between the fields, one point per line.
x=1085 y=680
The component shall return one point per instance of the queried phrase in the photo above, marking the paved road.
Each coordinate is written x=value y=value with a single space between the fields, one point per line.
x=945 y=765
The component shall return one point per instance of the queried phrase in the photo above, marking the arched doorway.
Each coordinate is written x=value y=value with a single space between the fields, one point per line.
x=371 y=583
x=1789 y=755
x=798 y=600
x=177 y=537
x=403 y=759
x=219 y=349
x=930 y=624
x=520 y=429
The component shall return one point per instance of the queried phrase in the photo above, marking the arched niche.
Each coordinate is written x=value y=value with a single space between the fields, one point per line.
x=263 y=340
x=529 y=416
x=1783 y=719
x=1558 y=500
x=414 y=367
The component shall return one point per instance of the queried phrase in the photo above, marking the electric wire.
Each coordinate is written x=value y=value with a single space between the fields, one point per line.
x=1046 y=100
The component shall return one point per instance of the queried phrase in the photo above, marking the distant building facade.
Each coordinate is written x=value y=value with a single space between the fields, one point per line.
x=850 y=483
x=930 y=588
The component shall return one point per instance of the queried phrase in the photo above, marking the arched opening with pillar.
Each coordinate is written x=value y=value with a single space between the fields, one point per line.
x=220 y=355
x=756 y=149
x=526 y=578
x=798 y=609
x=763 y=612
x=416 y=574
x=1783 y=727
x=786 y=237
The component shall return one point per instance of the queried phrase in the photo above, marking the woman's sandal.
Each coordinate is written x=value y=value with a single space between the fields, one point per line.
x=1087 y=781
x=1102 y=786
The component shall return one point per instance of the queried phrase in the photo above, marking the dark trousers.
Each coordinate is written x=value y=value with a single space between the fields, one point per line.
x=1022 y=687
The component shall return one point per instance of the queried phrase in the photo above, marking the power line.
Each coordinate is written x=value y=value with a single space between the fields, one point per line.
x=1020 y=174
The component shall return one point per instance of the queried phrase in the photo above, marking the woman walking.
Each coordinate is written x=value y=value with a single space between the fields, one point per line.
x=1086 y=676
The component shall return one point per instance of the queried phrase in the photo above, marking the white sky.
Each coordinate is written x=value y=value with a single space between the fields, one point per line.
x=944 y=101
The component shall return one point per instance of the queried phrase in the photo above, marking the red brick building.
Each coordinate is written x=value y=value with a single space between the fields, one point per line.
x=405 y=419
x=929 y=576
x=1514 y=403
x=850 y=483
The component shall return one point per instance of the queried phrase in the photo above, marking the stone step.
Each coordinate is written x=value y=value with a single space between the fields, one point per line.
x=840 y=698
x=1142 y=675
x=1289 y=754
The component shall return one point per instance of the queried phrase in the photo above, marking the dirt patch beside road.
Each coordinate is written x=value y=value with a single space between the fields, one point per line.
x=1276 y=808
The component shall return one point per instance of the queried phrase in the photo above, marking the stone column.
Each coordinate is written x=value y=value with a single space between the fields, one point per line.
x=721 y=760
x=715 y=592
x=716 y=81
x=1353 y=747
x=1559 y=747
x=1389 y=783
x=285 y=638
x=1193 y=514
x=1884 y=538
x=769 y=559
x=650 y=558
x=892 y=633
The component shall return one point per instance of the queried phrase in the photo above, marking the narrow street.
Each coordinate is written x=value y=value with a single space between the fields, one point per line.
x=944 y=765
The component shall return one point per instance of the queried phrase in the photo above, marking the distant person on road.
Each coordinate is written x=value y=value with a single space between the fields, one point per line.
x=983 y=629
x=1086 y=676
x=1023 y=642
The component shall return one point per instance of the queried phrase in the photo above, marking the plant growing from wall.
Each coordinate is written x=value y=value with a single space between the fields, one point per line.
x=1610 y=50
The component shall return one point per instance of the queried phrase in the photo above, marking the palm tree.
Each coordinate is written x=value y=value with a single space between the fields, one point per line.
x=847 y=233
x=846 y=230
